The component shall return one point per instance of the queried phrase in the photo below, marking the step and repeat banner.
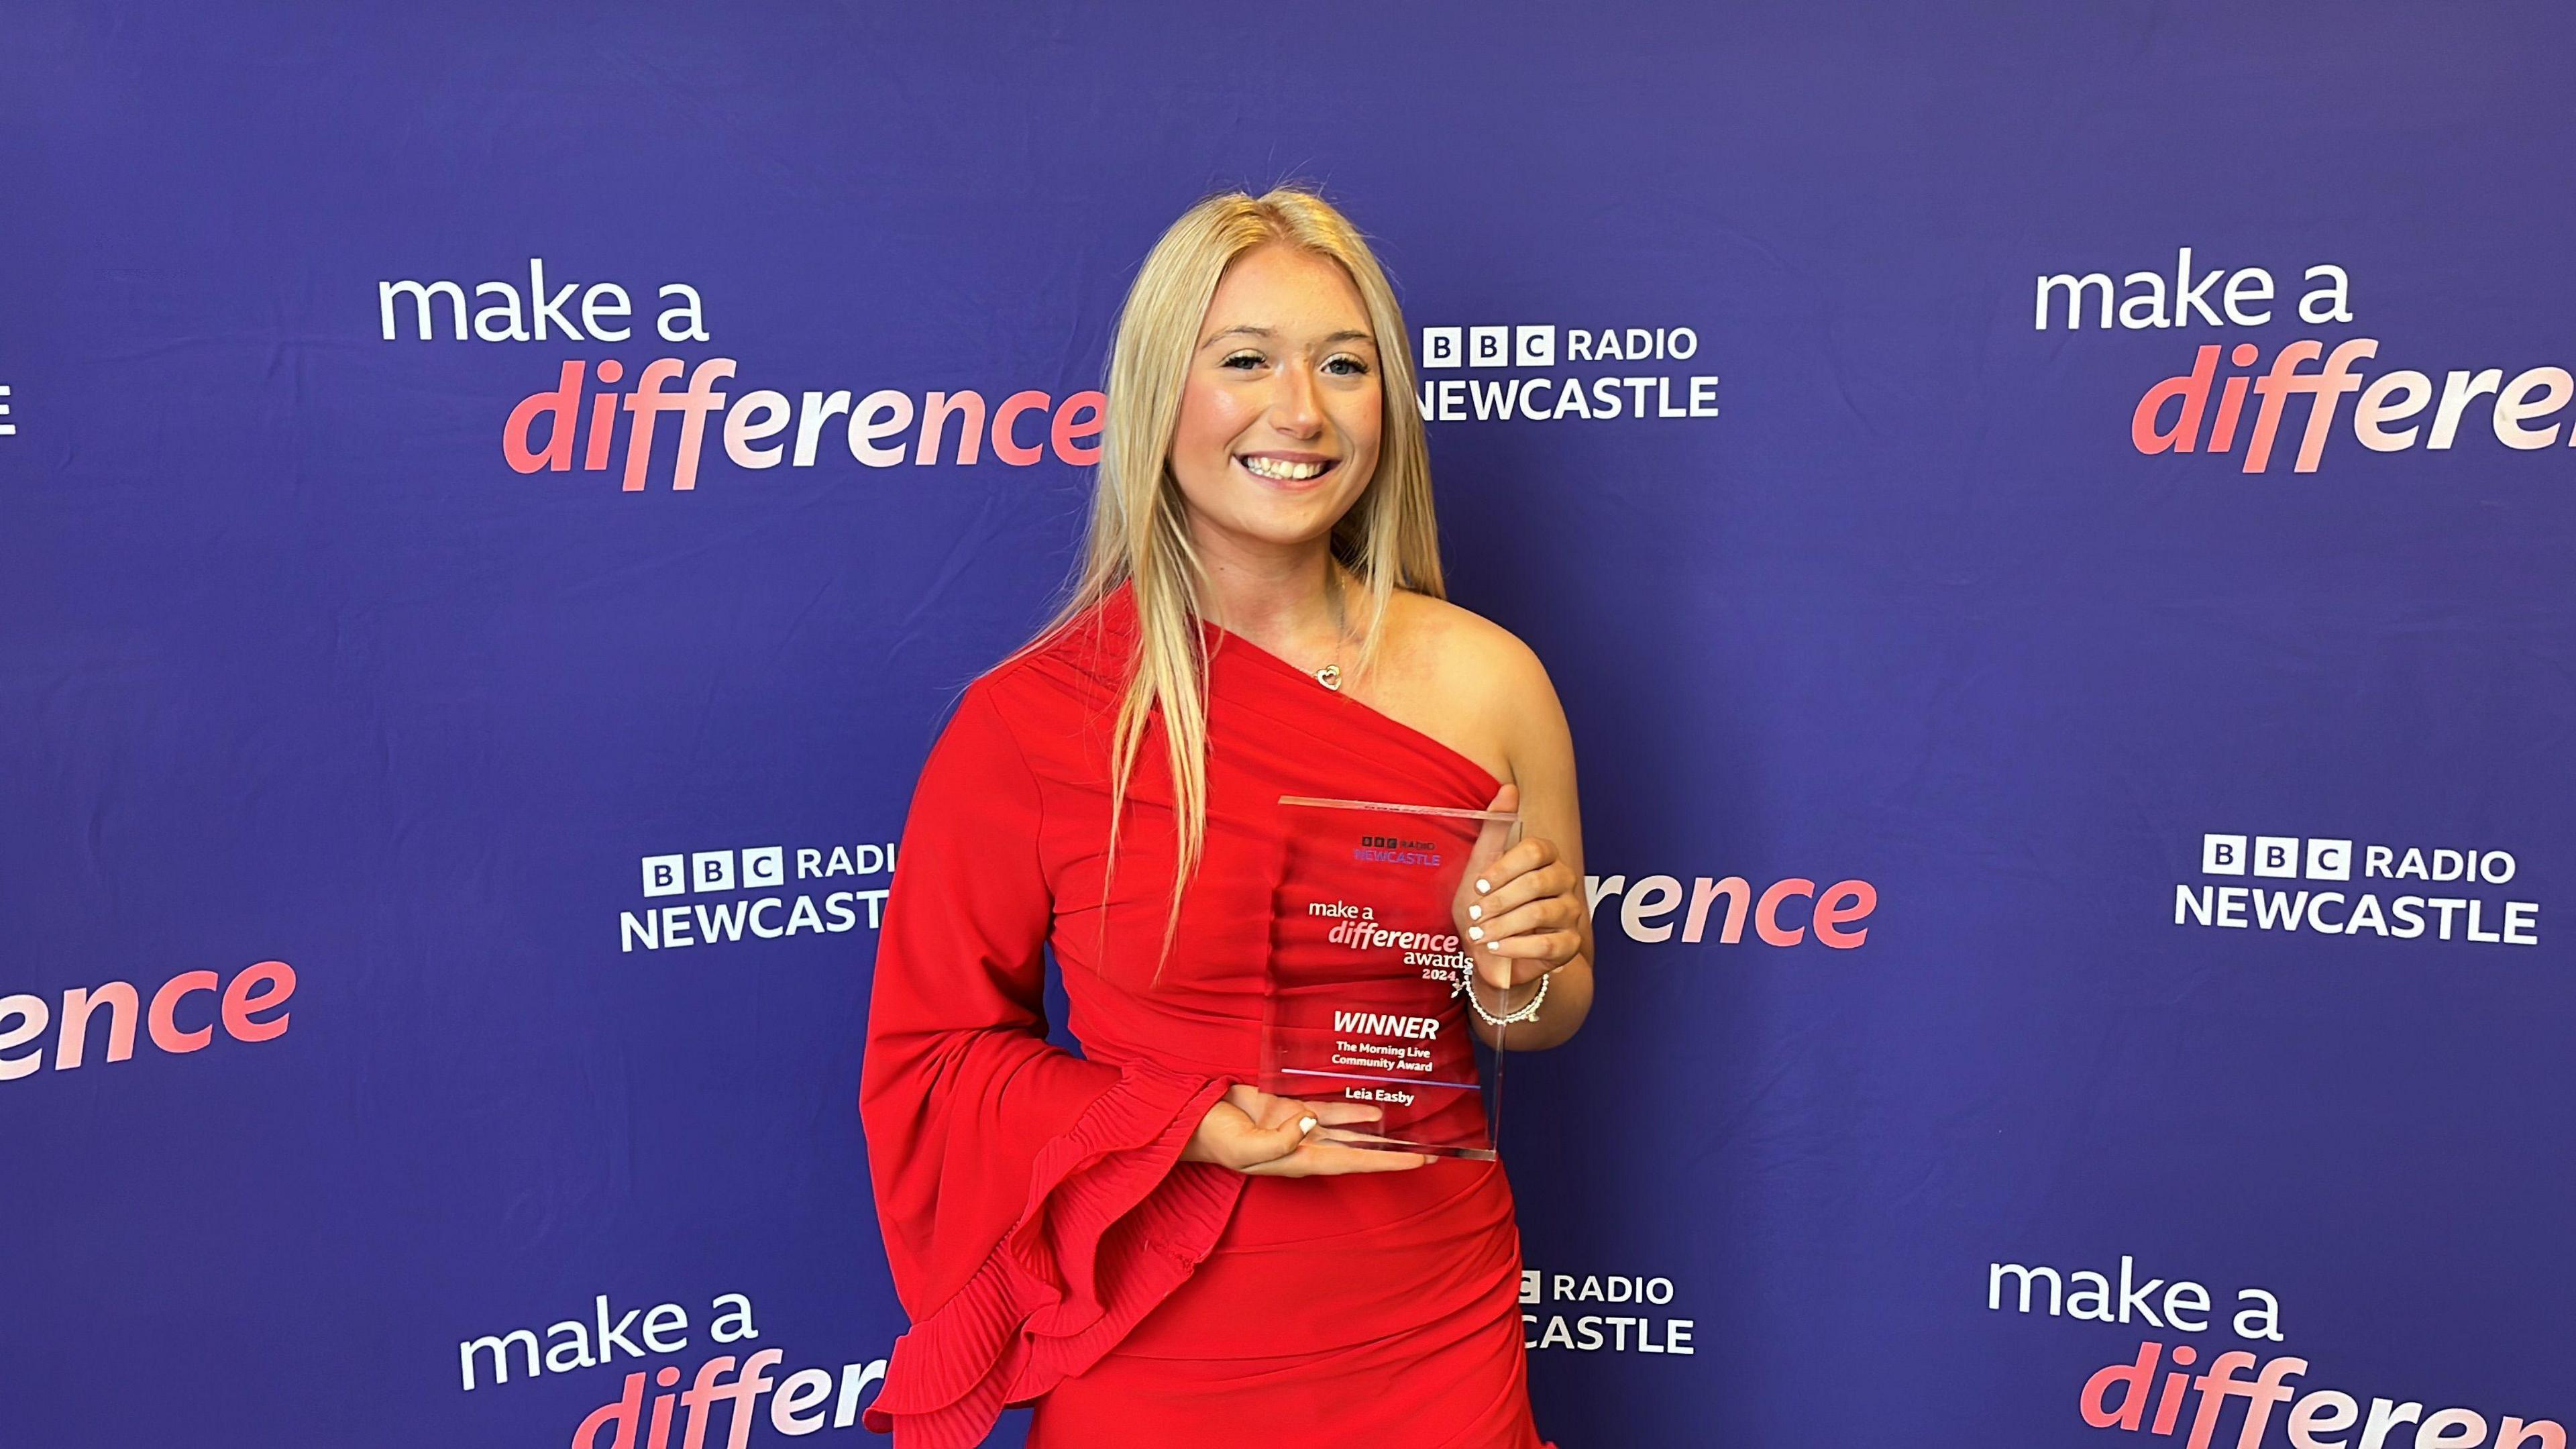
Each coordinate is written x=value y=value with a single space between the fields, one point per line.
x=2052 y=525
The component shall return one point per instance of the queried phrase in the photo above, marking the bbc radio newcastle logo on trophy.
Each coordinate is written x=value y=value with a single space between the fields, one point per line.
x=1537 y=372
x=757 y=893
x=2330 y=886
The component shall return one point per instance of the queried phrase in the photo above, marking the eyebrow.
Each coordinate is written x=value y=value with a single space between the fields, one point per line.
x=1345 y=335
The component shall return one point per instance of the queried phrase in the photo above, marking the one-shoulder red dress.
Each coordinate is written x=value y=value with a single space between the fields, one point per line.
x=1045 y=1237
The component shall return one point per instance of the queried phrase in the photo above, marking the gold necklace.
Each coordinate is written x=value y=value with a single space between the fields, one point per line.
x=1330 y=676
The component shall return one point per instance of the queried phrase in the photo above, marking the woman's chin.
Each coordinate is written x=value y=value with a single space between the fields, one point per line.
x=1273 y=520
x=1267 y=530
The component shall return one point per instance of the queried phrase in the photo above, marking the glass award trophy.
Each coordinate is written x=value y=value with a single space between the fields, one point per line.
x=1369 y=966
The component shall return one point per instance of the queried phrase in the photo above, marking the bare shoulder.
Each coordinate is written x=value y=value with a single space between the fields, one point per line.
x=1464 y=647
x=1491 y=684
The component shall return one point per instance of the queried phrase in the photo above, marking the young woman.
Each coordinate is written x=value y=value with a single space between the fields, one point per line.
x=1136 y=1239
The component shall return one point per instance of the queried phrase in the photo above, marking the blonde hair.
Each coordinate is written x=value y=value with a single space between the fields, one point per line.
x=1139 y=532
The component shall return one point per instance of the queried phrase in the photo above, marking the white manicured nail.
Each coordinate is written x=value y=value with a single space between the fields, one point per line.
x=1475 y=913
x=1482 y=887
x=1305 y=1124
x=1475 y=933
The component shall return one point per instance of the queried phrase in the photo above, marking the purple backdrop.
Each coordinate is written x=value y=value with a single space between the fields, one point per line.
x=2045 y=817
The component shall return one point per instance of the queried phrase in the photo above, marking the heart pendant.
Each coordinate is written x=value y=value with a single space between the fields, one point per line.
x=1330 y=676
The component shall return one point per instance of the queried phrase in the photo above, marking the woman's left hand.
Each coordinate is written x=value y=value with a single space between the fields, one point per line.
x=1525 y=910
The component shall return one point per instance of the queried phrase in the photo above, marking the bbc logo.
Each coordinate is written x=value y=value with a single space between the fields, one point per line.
x=1489 y=346
x=2284 y=857
x=715 y=870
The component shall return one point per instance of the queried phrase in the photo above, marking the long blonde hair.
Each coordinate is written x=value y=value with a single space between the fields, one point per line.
x=1139 y=532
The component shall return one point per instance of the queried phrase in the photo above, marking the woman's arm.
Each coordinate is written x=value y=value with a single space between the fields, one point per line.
x=1034 y=1203
x=1537 y=913
x=959 y=1088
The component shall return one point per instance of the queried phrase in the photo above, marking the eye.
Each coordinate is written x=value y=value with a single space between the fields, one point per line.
x=1233 y=358
x=1357 y=367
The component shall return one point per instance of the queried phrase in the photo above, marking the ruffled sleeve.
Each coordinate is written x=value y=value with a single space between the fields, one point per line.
x=1034 y=1203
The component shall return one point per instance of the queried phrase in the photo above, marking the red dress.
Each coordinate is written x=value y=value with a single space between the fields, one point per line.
x=1044 y=1235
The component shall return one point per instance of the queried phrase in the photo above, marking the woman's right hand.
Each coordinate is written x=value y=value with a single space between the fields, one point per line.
x=1261 y=1135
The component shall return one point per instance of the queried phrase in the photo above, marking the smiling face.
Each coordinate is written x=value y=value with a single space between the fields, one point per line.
x=1280 y=408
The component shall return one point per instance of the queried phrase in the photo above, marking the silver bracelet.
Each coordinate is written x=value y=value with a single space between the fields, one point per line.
x=1526 y=1013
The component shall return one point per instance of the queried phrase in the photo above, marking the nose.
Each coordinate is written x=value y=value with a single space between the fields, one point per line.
x=1296 y=407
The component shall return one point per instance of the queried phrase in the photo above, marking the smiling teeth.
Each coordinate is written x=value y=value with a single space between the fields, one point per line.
x=1282 y=469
